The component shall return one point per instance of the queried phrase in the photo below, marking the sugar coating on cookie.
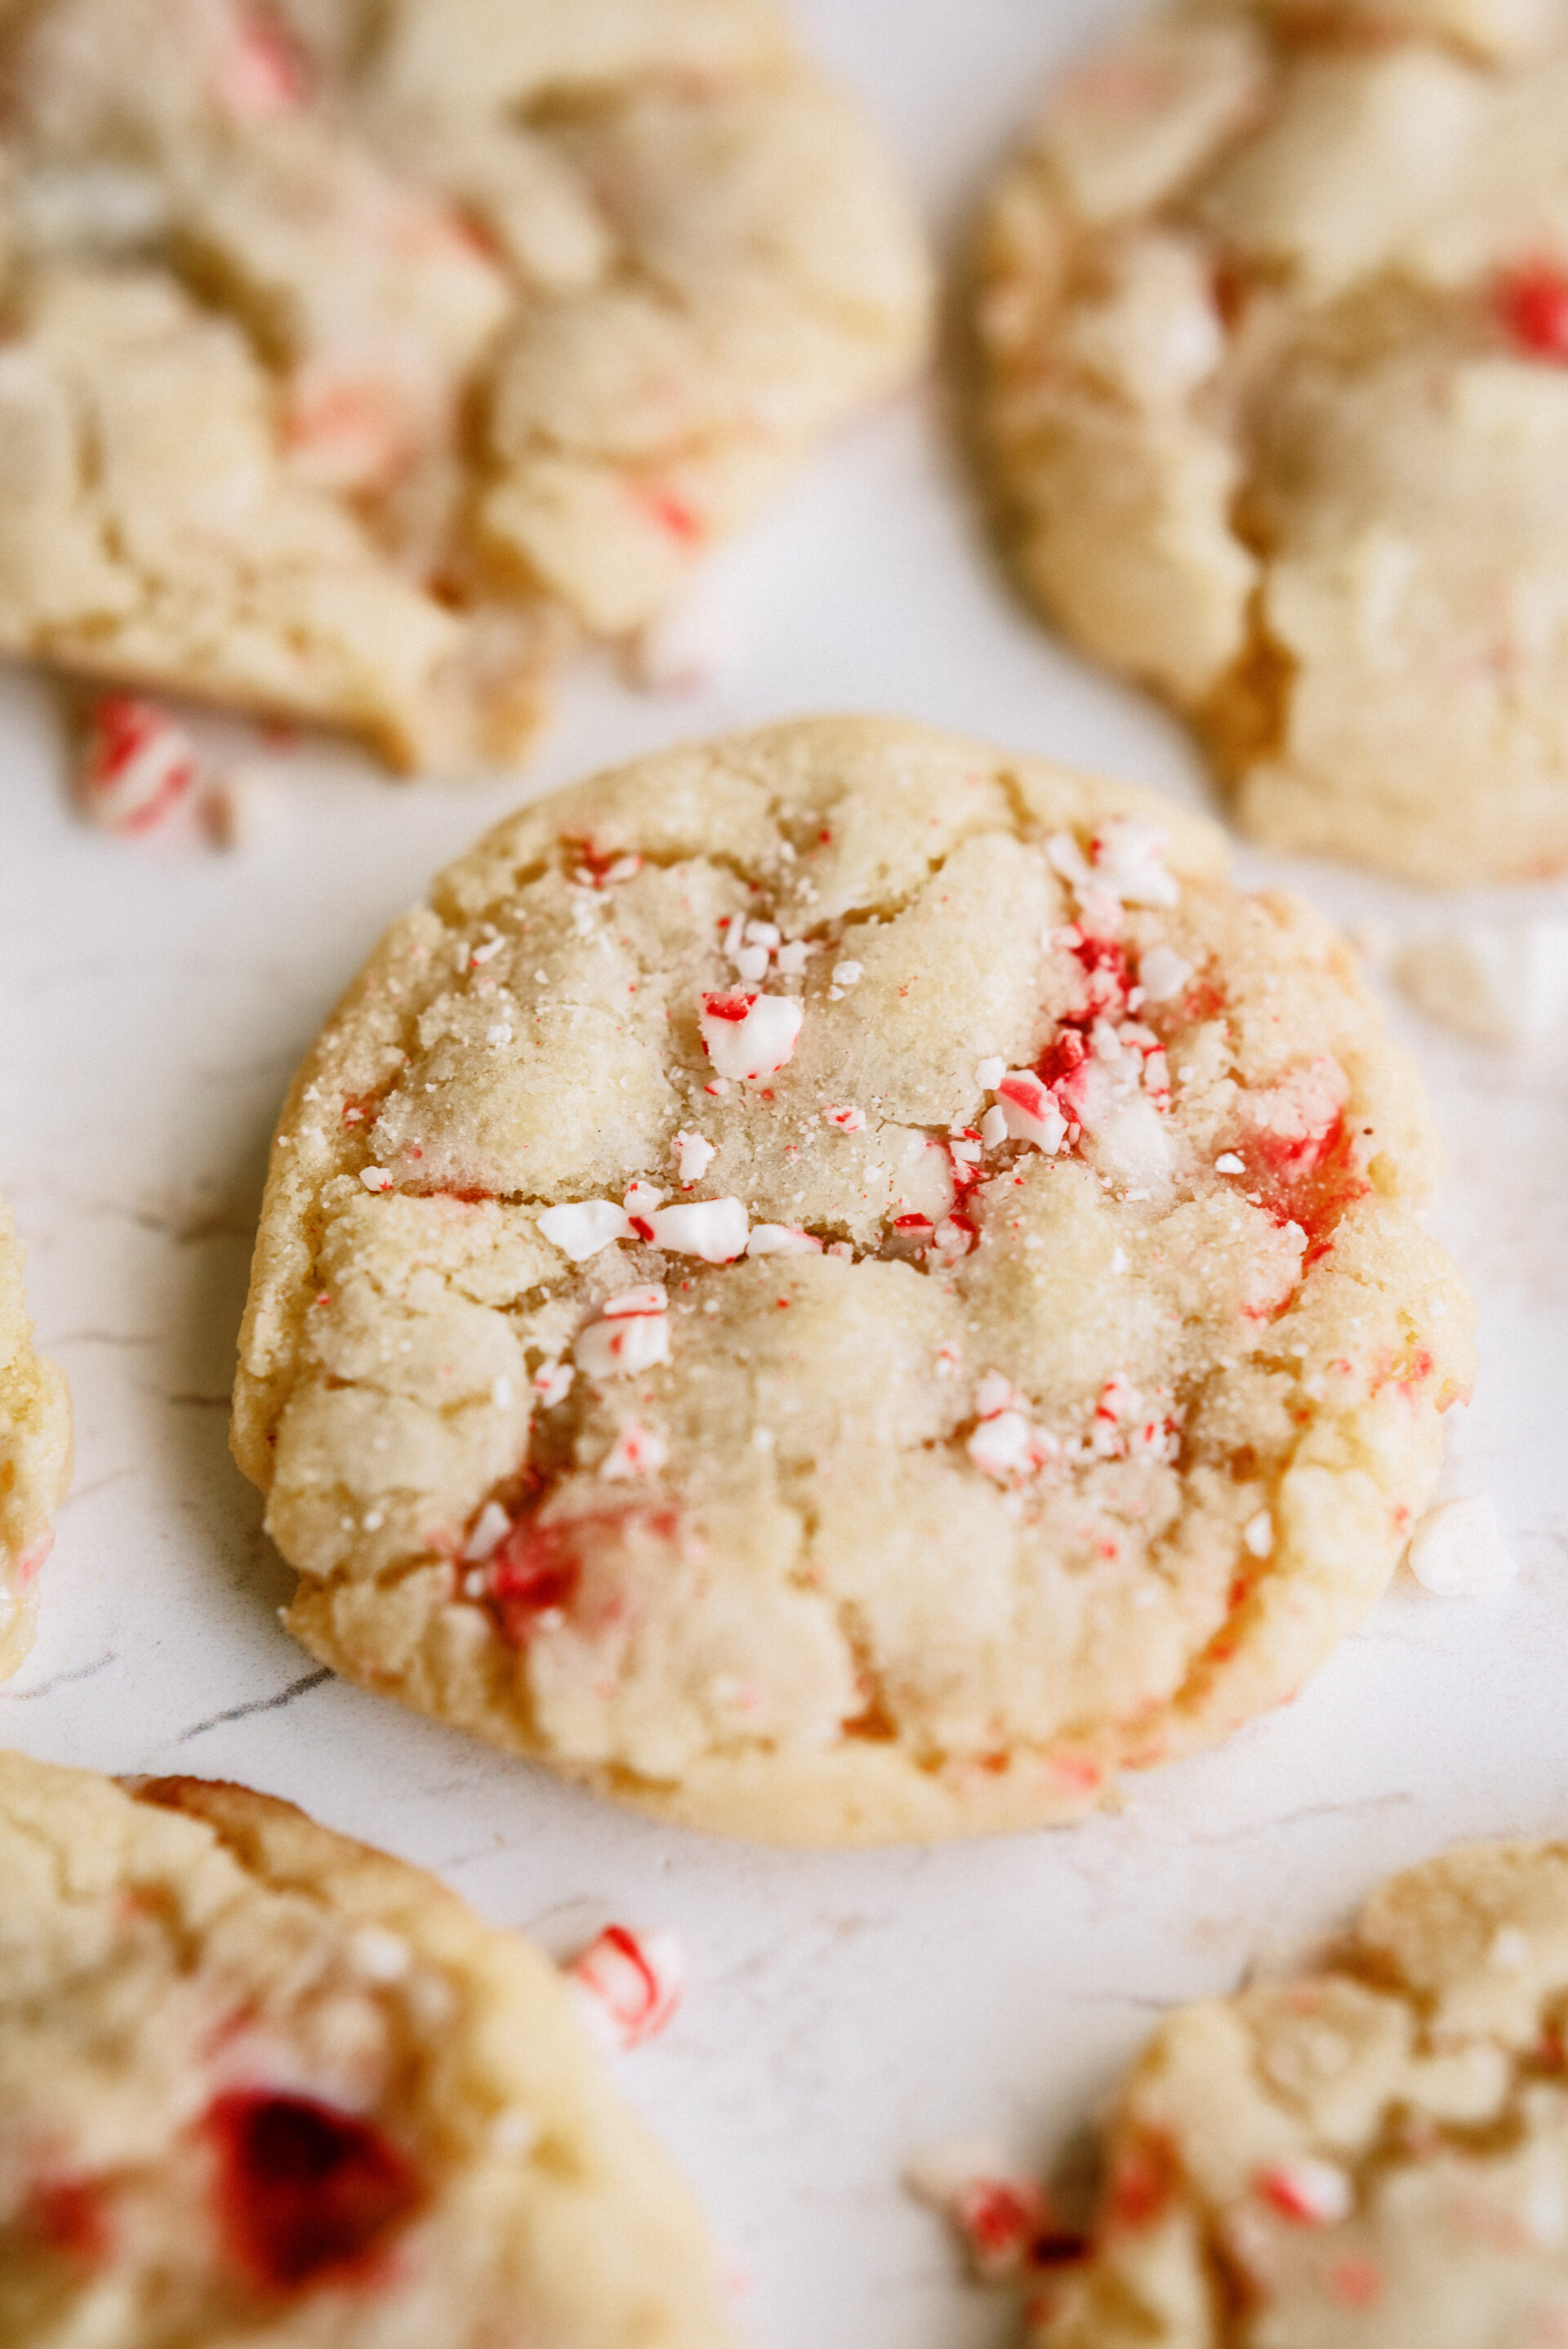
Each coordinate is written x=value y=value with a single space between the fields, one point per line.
x=359 y=361
x=34 y=1455
x=258 y=2080
x=1371 y=2155
x=840 y=1285
x=1273 y=325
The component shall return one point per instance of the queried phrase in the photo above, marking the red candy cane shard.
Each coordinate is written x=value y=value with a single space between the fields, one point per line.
x=628 y=1985
x=137 y=764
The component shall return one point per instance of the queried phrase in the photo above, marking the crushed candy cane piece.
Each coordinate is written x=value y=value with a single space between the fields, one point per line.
x=993 y=1126
x=1228 y=1162
x=637 y=1451
x=993 y=1394
x=846 y=1117
x=137 y=764
x=651 y=1296
x=1031 y=1112
x=552 y=1383
x=781 y=1239
x=685 y=649
x=1068 y=859
x=911 y=1234
x=1258 y=1535
x=1162 y=973
x=989 y=1073
x=1004 y=2220
x=375 y=1178
x=624 y=1344
x=792 y=959
x=581 y=1229
x=749 y=1036
x=1495 y=983
x=751 y=962
x=1129 y=861
x=713 y=1229
x=490 y=1529
x=1458 y=1552
x=763 y=934
x=1005 y=1447
x=1313 y=2193
x=694 y=1155
x=848 y=974
x=628 y=1985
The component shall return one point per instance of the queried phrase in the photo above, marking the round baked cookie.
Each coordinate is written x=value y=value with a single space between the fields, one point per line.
x=258 y=2083
x=360 y=358
x=34 y=1455
x=1372 y=2156
x=826 y=1287
x=1272 y=327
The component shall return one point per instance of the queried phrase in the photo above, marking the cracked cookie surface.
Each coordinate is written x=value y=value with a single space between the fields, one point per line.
x=839 y=1285
x=359 y=360
x=1271 y=315
x=1372 y=2156
x=260 y=2084
x=34 y=1455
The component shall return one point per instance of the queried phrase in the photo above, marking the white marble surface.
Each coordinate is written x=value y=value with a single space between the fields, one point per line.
x=844 y=2010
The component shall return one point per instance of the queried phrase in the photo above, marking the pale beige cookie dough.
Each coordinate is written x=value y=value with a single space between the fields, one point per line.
x=357 y=361
x=1373 y=2156
x=1271 y=315
x=260 y=2084
x=34 y=1455
x=1079 y=1382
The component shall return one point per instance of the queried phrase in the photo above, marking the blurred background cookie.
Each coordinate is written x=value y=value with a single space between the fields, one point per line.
x=1272 y=313
x=362 y=360
x=34 y=1455
x=1366 y=2156
x=258 y=2080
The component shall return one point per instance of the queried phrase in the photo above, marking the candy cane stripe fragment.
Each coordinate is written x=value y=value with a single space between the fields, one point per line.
x=749 y=1036
x=628 y=1985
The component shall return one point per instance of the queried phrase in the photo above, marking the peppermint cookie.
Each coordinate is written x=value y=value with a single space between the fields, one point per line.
x=257 y=2082
x=840 y=1286
x=1272 y=315
x=1372 y=2157
x=34 y=1455
x=360 y=360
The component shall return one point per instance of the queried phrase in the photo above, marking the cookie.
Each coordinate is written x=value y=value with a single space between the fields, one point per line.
x=35 y=1456
x=1373 y=2156
x=361 y=360
x=839 y=1285
x=260 y=2082
x=1273 y=341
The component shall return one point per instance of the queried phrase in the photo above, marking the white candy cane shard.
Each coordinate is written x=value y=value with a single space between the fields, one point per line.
x=1313 y=2193
x=623 y=1346
x=845 y=1117
x=1004 y=1447
x=1068 y=858
x=628 y=1985
x=490 y=1528
x=137 y=764
x=1496 y=983
x=713 y=1229
x=1258 y=1535
x=1031 y=1112
x=552 y=1383
x=989 y=1073
x=637 y=1451
x=375 y=1178
x=1130 y=862
x=781 y=1239
x=749 y=1036
x=1162 y=973
x=993 y=1126
x=581 y=1229
x=1457 y=1551
x=694 y=1155
x=1000 y=2215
